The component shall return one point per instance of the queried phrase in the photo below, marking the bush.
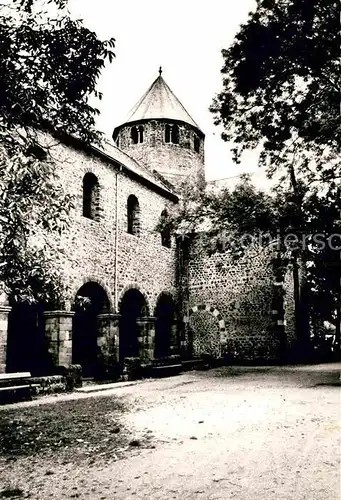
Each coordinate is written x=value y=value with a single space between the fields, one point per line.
x=132 y=368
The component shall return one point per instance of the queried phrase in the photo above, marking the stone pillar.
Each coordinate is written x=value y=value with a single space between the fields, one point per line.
x=108 y=340
x=186 y=340
x=278 y=313
x=4 y=312
x=58 y=333
x=146 y=339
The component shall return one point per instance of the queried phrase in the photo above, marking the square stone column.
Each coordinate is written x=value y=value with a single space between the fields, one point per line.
x=4 y=312
x=186 y=339
x=58 y=334
x=146 y=325
x=108 y=340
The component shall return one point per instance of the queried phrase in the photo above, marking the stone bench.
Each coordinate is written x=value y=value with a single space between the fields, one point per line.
x=15 y=386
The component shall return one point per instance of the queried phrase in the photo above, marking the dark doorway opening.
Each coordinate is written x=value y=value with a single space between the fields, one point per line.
x=91 y=300
x=164 y=313
x=133 y=306
x=26 y=346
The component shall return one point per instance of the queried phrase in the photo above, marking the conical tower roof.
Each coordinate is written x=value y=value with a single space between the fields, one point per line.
x=159 y=102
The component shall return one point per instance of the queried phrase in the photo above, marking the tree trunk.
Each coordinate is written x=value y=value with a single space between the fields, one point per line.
x=300 y=283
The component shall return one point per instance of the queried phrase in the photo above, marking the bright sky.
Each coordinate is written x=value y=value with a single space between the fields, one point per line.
x=185 y=37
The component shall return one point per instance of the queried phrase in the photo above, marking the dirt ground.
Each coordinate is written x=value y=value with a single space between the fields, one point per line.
x=242 y=433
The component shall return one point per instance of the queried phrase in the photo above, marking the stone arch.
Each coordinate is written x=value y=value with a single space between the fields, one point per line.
x=141 y=290
x=79 y=283
x=133 y=215
x=133 y=310
x=213 y=312
x=85 y=327
x=27 y=350
x=88 y=169
x=91 y=193
x=165 y=325
x=134 y=135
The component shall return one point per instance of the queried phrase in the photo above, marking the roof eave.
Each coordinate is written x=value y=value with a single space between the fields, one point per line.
x=144 y=120
x=90 y=149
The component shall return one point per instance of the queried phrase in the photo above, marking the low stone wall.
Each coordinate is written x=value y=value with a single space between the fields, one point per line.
x=230 y=307
x=67 y=379
x=51 y=384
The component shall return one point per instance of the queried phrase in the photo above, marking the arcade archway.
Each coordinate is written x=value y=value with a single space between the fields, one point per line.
x=133 y=305
x=26 y=346
x=164 y=313
x=91 y=300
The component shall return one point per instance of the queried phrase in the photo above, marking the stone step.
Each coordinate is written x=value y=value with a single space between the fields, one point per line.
x=165 y=370
x=193 y=364
x=106 y=387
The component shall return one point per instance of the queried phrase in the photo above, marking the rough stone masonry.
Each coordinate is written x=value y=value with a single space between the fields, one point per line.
x=145 y=298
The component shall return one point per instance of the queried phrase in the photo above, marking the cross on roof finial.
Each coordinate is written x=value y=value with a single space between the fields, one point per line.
x=160 y=70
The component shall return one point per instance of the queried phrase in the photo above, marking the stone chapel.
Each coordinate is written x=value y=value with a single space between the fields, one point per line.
x=149 y=295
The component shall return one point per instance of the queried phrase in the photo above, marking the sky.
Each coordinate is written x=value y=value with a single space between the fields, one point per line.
x=185 y=37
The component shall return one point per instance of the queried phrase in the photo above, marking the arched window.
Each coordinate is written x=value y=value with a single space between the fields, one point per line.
x=140 y=129
x=175 y=134
x=90 y=196
x=165 y=232
x=137 y=134
x=133 y=213
x=134 y=135
x=172 y=134
x=168 y=129
x=196 y=144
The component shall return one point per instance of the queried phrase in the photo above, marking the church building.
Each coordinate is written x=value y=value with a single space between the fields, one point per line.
x=136 y=292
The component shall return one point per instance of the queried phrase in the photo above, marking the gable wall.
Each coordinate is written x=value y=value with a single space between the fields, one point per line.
x=86 y=251
x=234 y=301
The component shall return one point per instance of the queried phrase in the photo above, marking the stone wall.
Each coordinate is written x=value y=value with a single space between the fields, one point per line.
x=230 y=306
x=289 y=308
x=86 y=251
x=227 y=306
x=175 y=162
x=101 y=251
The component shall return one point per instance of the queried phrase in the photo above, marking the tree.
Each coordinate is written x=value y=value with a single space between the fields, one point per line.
x=281 y=84
x=49 y=66
x=281 y=88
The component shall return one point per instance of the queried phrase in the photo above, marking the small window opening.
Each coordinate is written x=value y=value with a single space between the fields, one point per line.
x=133 y=213
x=175 y=134
x=37 y=151
x=90 y=196
x=172 y=134
x=140 y=129
x=196 y=144
x=134 y=135
x=137 y=134
x=168 y=133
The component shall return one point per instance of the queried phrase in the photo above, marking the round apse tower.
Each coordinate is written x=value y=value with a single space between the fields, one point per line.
x=160 y=134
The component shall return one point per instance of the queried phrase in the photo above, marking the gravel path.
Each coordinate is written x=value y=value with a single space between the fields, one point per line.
x=241 y=433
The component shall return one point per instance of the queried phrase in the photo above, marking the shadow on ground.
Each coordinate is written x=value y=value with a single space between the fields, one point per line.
x=301 y=375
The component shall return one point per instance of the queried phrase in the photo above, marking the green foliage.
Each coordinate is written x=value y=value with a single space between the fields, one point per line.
x=281 y=94
x=49 y=66
x=281 y=85
x=48 y=70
